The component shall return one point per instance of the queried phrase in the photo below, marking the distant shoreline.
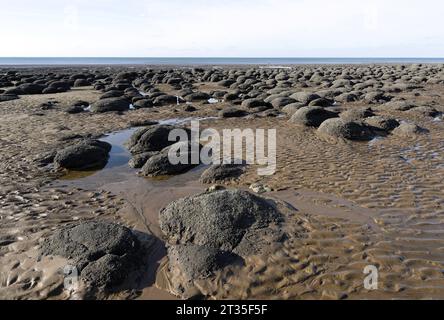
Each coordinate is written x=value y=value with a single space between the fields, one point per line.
x=204 y=62
x=136 y=67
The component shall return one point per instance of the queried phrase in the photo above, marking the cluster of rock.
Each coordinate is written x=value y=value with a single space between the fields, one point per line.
x=353 y=124
x=34 y=83
x=209 y=231
x=258 y=90
x=105 y=255
x=266 y=92
x=204 y=233
x=150 y=147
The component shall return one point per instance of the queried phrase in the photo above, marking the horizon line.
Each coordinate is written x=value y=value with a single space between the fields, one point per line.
x=222 y=57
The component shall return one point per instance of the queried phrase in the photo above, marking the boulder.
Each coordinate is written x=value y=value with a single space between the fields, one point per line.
x=12 y=91
x=311 y=116
x=138 y=160
x=232 y=113
x=347 y=97
x=305 y=97
x=270 y=113
x=188 y=263
x=126 y=76
x=30 y=88
x=105 y=254
x=196 y=262
x=86 y=154
x=282 y=102
x=112 y=94
x=254 y=103
x=220 y=172
x=132 y=94
x=45 y=158
x=81 y=83
x=230 y=220
x=197 y=96
x=166 y=99
x=174 y=81
x=342 y=129
x=231 y=97
x=57 y=87
x=291 y=108
x=161 y=164
x=107 y=272
x=143 y=104
x=153 y=138
x=408 y=130
x=377 y=97
x=381 y=123
x=8 y=97
x=356 y=114
x=321 y=102
x=226 y=83
x=425 y=111
x=50 y=90
x=78 y=76
x=122 y=85
x=110 y=104
x=189 y=108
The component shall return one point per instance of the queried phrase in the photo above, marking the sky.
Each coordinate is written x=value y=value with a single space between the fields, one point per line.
x=222 y=28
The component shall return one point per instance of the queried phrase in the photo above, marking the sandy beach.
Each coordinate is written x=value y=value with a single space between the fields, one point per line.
x=359 y=182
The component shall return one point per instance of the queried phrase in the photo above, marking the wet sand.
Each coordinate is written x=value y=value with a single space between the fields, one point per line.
x=347 y=204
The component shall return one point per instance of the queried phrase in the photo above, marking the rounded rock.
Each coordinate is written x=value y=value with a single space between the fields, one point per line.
x=340 y=128
x=230 y=220
x=110 y=104
x=311 y=116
